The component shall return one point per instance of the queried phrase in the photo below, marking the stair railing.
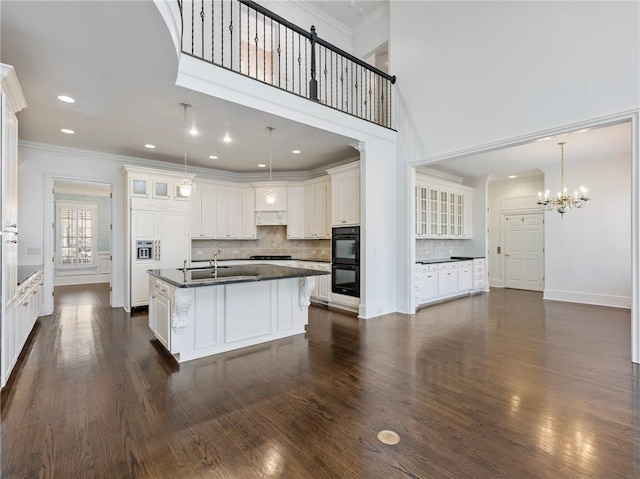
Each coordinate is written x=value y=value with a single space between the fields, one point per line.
x=244 y=37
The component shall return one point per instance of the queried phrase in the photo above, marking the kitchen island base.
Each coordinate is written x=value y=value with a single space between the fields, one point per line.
x=193 y=323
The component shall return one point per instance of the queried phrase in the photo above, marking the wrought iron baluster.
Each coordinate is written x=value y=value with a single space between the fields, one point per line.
x=286 y=60
x=264 y=50
x=256 y=42
x=299 y=66
x=222 y=33
x=202 y=28
x=212 y=35
x=231 y=32
x=192 y=27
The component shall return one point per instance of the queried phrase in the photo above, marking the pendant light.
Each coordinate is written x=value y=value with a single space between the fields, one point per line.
x=270 y=195
x=186 y=185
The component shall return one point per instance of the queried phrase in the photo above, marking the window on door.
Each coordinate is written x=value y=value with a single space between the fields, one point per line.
x=76 y=226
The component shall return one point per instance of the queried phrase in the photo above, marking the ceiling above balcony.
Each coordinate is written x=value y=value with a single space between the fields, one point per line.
x=117 y=60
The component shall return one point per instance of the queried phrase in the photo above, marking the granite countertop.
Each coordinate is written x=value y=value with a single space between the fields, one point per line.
x=26 y=271
x=230 y=274
x=447 y=260
x=220 y=260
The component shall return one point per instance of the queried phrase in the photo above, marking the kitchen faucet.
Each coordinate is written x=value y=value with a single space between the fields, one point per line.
x=214 y=262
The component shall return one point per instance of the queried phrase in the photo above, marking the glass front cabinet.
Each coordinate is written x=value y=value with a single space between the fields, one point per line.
x=443 y=210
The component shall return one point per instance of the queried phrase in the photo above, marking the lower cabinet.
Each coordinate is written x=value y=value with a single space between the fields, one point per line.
x=160 y=312
x=21 y=316
x=434 y=282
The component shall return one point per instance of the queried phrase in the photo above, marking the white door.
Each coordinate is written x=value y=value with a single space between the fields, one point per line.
x=524 y=251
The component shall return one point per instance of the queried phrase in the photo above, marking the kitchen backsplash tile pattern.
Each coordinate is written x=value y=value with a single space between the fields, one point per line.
x=272 y=240
x=436 y=248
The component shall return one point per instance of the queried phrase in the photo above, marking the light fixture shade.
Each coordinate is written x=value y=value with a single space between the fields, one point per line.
x=271 y=197
x=186 y=187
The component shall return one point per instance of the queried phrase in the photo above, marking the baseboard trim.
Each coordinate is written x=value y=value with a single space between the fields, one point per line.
x=595 y=299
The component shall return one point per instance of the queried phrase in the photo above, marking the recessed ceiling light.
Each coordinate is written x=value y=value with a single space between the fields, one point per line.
x=193 y=131
x=213 y=157
x=262 y=165
x=544 y=139
x=66 y=99
x=583 y=130
x=227 y=138
x=511 y=177
x=150 y=146
x=67 y=131
x=295 y=152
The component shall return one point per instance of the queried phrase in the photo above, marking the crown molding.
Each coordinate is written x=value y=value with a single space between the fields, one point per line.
x=370 y=18
x=11 y=85
x=438 y=175
x=199 y=172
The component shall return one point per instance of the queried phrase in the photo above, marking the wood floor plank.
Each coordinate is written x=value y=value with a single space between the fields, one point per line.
x=499 y=385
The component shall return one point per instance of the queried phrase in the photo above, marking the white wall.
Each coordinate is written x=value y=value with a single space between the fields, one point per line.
x=497 y=192
x=588 y=252
x=472 y=73
x=372 y=32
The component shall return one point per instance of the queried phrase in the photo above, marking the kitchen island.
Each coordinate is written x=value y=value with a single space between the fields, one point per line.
x=198 y=312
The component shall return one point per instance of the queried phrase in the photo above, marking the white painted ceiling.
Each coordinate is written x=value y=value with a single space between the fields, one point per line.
x=590 y=145
x=348 y=12
x=117 y=60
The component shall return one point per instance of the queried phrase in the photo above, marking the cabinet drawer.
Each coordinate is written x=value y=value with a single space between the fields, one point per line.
x=465 y=264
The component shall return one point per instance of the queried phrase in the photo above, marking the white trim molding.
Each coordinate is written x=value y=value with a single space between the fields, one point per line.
x=588 y=298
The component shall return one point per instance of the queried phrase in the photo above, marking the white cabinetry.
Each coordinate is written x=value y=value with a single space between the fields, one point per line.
x=479 y=274
x=234 y=213
x=295 y=212
x=438 y=281
x=345 y=194
x=323 y=283
x=160 y=311
x=155 y=212
x=203 y=211
x=169 y=232
x=19 y=320
x=442 y=210
x=11 y=102
x=222 y=211
x=316 y=217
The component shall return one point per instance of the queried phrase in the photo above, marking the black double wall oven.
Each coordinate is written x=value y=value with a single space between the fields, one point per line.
x=345 y=261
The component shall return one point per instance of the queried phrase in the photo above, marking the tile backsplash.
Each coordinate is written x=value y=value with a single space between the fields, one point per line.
x=272 y=240
x=439 y=248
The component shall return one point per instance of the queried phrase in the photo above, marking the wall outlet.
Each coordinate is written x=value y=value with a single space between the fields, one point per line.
x=34 y=251
x=199 y=253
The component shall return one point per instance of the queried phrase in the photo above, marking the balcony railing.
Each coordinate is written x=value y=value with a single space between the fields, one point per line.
x=246 y=38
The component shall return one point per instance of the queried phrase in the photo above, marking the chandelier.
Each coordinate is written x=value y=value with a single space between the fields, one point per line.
x=562 y=200
x=270 y=196
x=186 y=185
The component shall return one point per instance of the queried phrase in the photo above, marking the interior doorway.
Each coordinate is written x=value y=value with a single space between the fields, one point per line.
x=523 y=239
x=80 y=238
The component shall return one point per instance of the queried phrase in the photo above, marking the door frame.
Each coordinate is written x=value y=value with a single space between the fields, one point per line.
x=50 y=233
x=503 y=263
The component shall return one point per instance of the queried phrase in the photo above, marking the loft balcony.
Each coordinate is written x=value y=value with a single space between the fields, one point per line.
x=243 y=37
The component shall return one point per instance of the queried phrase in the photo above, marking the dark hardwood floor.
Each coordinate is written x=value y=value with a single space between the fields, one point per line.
x=500 y=385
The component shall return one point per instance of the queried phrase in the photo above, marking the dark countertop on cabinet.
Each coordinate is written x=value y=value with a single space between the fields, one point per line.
x=448 y=260
x=26 y=271
x=246 y=273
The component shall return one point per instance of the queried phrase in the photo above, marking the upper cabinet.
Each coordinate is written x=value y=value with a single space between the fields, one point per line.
x=154 y=184
x=295 y=212
x=443 y=210
x=223 y=211
x=11 y=102
x=316 y=211
x=345 y=194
